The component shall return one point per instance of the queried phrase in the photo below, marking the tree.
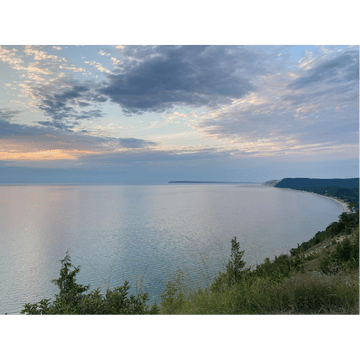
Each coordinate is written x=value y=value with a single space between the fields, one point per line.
x=235 y=269
x=72 y=298
x=236 y=265
x=343 y=251
x=71 y=293
x=344 y=217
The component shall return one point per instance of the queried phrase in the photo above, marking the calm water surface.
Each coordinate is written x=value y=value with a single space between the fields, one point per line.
x=143 y=233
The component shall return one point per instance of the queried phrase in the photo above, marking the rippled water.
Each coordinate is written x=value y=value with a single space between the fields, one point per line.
x=143 y=233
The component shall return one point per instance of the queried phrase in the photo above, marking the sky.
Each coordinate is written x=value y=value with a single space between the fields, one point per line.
x=132 y=114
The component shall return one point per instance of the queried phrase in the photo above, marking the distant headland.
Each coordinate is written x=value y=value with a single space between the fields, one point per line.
x=305 y=183
x=346 y=190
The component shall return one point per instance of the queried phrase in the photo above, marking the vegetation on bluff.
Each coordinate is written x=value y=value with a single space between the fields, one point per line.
x=283 y=286
x=346 y=224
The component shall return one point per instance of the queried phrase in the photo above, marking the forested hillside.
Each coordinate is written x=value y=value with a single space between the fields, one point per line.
x=343 y=189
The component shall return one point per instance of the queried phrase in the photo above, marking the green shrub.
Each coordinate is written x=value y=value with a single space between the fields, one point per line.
x=72 y=298
x=345 y=257
x=343 y=251
x=327 y=264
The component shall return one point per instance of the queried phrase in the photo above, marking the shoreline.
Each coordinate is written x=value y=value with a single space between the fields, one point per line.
x=341 y=202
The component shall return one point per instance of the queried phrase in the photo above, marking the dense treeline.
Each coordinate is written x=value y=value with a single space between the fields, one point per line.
x=345 y=225
x=303 y=183
x=349 y=195
x=343 y=189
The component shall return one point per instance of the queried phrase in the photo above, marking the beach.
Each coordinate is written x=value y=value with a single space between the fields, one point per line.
x=343 y=203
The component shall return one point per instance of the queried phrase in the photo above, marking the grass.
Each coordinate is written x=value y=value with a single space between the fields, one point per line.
x=309 y=293
x=288 y=285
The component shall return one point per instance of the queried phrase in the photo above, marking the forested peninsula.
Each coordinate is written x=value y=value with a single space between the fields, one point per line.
x=346 y=190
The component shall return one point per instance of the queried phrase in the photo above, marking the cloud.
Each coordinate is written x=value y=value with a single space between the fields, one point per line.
x=144 y=78
x=37 y=53
x=338 y=69
x=59 y=125
x=6 y=114
x=98 y=65
x=10 y=130
x=59 y=121
x=44 y=137
x=103 y=53
x=318 y=111
x=43 y=63
x=135 y=143
x=148 y=156
x=157 y=78
x=9 y=56
x=24 y=143
x=61 y=97
x=66 y=107
x=332 y=82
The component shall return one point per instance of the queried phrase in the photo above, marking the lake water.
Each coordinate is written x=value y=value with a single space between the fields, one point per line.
x=143 y=233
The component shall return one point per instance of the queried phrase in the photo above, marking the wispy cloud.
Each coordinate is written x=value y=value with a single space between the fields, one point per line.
x=135 y=143
x=98 y=66
x=292 y=114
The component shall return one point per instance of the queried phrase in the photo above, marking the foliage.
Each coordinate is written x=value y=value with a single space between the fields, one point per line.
x=72 y=298
x=344 y=189
x=279 y=269
x=172 y=298
x=326 y=264
x=310 y=293
x=280 y=286
x=350 y=195
x=235 y=269
x=346 y=223
x=345 y=257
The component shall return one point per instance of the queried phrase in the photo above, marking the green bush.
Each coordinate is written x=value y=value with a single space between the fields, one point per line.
x=345 y=257
x=72 y=298
x=343 y=251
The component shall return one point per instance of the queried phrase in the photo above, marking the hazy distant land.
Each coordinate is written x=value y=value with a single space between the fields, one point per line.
x=210 y=182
